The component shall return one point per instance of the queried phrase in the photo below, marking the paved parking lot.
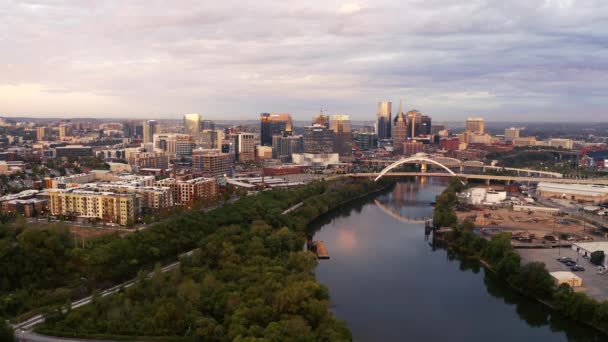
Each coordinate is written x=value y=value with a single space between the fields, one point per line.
x=595 y=285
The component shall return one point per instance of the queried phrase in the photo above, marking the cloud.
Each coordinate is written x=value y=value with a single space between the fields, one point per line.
x=448 y=58
x=349 y=8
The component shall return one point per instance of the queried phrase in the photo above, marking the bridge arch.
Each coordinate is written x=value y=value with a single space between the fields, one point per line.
x=412 y=159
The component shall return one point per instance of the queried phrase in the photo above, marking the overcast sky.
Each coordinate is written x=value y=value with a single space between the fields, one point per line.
x=505 y=60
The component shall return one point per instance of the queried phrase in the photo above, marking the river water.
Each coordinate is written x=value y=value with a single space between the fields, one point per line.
x=388 y=282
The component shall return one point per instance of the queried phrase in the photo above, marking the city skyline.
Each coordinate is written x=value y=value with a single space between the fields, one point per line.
x=524 y=60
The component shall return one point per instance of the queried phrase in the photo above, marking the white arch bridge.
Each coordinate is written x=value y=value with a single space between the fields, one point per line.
x=447 y=163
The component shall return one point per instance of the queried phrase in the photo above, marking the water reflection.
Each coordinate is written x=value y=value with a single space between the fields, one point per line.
x=389 y=284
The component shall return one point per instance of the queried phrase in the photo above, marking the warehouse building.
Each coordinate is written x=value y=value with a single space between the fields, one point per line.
x=575 y=192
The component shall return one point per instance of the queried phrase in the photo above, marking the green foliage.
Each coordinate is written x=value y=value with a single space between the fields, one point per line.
x=597 y=257
x=248 y=278
x=6 y=332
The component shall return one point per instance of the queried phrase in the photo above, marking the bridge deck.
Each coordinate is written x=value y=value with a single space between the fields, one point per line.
x=596 y=181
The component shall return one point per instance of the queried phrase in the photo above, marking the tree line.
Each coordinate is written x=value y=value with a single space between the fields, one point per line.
x=531 y=279
x=248 y=251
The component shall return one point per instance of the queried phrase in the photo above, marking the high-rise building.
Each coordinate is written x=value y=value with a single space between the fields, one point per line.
x=318 y=139
x=41 y=133
x=130 y=129
x=212 y=163
x=384 y=120
x=417 y=124
x=365 y=141
x=475 y=125
x=272 y=124
x=511 y=133
x=343 y=135
x=207 y=125
x=150 y=128
x=192 y=126
x=212 y=139
x=244 y=146
x=175 y=146
x=400 y=130
x=284 y=147
x=321 y=119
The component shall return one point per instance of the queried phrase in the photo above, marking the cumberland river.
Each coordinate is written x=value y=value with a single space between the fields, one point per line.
x=388 y=283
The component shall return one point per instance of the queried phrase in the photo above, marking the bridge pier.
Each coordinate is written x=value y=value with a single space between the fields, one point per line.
x=423 y=167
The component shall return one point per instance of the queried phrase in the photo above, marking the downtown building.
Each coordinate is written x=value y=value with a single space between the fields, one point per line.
x=284 y=147
x=343 y=143
x=212 y=163
x=150 y=128
x=175 y=145
x=274 y=124
x=192 y=126
x=244 y=146
x=383 y=122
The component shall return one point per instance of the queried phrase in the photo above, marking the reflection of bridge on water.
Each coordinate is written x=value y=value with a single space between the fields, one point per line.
x=404 y=196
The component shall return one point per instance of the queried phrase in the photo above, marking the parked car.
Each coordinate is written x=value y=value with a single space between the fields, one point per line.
x=570 y=263
x=577 y=268
x=564 y=259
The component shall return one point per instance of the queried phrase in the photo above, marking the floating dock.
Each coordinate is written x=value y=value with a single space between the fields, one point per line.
x=319 y=248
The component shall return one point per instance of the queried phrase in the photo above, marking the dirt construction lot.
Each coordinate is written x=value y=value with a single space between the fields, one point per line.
x=594 y=285
x=537 y=223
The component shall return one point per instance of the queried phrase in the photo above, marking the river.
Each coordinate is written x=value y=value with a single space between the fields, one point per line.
x=388 y=283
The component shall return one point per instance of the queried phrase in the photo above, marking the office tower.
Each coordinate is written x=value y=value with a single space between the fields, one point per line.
x=438 y=128
x=212 y=139
x=318 y=139
x=272 y=124
x=41 y=133
x=399 y=130
x=150 y=128
x=511 y=134
x=207 y=125
x=212 y=163
x=321 y=119
x=365 y=141
x=65 y=130
x=192 y=126
x=132 y=129
x=284 y=147
x=343 y=135
x=384 y=120
x=175 y=146
x=475 y=125
x=244 y=146
x=417 y=124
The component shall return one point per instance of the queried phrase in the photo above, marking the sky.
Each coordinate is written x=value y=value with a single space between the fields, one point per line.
x=515 y=60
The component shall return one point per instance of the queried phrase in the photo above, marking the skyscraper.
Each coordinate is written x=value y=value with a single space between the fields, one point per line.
x=150 y=128
x=400 y=130
x=475 y=125
x=384 y=120
x=318 y=139
x=417 y=124
x=341 y=126
x=192 y=125
x=274 y=123
x=284 y=147
x=321 y=119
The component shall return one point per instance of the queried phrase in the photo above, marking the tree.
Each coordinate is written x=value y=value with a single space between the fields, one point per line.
x=534 y=279
x=597 y=258
x=6 y=332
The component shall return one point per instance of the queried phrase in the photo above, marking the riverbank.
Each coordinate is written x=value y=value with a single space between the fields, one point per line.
x=530 y=279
